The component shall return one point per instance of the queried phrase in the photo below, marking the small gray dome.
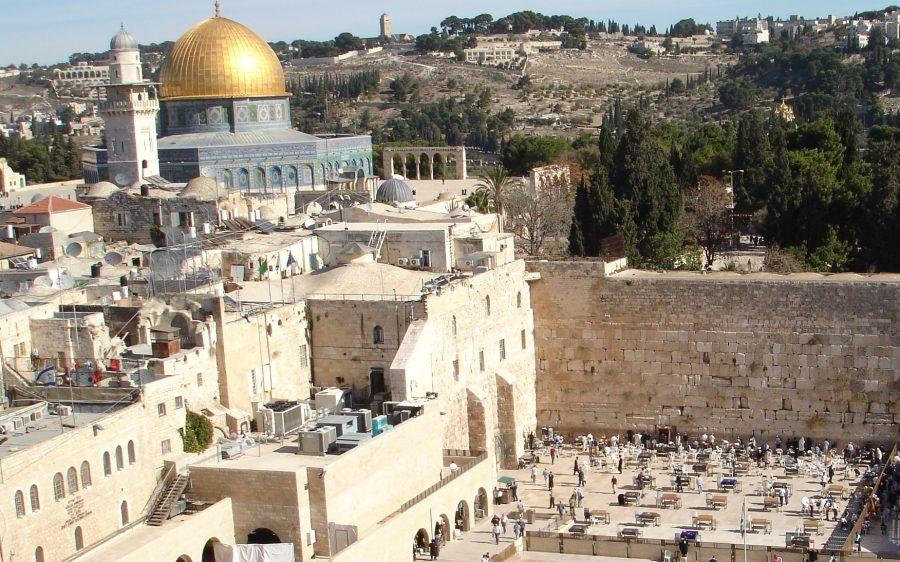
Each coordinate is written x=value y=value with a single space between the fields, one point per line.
x=123 y=41
x=101 y=190
x=202 y=189
x=394 y=190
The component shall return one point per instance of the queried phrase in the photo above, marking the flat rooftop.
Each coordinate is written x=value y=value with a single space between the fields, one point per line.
x=44 y=429
x=271 y=457
x=389 y=227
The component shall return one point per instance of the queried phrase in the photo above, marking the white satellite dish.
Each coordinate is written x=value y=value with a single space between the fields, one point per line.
x=466 y=207
x=314 y=208
x=47 y=230
x=309 y=224
x=43 y=281
x=74 y=249
x=106 y=301
x=37 y=198
x=113 y=258
x=66 y=282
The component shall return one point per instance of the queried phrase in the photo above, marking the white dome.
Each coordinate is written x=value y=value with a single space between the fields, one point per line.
x=123 y=41
x=101 y=190
x=201 y=189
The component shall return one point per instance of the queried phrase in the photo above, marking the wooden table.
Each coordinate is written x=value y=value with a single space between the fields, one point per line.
x=646 y=517
x=838 y=489
x=770 y=502
x=700 y=521
x=670 y=499
x=812 y=525
x=717 y=500
x=761 y=523
x=599 y=515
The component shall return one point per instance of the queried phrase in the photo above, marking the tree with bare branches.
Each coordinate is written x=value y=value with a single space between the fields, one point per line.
x=539 y=216
x=708 y=216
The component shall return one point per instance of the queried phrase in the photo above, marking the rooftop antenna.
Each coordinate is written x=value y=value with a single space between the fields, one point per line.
x=218 y=8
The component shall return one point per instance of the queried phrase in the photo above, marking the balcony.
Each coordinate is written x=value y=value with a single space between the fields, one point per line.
x=149 y=104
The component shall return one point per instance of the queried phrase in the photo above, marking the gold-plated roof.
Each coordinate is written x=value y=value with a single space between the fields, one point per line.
x=220 y=58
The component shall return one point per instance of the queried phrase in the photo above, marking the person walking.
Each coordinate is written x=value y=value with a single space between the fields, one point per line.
x=546 y=474
x=434 y=549
x=581 y=480
x=514 y=489
x=621 y=462
x=561 y=508
x=699 y=484
x=857 y=540
x=553 y=454
x=550 y=480
x=614 y=482
x=497 y=530
x=533 y=474
x=552 y=501
x=503 y=521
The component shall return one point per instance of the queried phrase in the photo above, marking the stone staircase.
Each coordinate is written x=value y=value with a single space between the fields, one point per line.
x=167 y=499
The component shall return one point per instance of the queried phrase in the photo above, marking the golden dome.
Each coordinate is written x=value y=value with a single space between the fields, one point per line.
x=220 y=58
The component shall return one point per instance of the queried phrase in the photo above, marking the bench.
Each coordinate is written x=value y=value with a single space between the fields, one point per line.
x=837 y=489
x=728 y=484
x=764 y=525
x=631 y=497
x=701 y=521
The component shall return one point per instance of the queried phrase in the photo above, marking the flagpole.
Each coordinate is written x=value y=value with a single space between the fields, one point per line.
x=744 y=526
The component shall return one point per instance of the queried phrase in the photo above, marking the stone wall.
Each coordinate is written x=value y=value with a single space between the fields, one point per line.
x=729 y=355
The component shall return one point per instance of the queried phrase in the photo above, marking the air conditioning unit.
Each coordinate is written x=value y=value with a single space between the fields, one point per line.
x=18 y=423
x=403 y=262
x=316 y=441
x=64 y=411
x=415 y=262
x=282 y=417
x=363 y=418
x=311 y=537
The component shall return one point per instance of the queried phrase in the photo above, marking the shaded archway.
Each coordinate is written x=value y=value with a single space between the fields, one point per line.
x=209 y=550
x=421 y=539
x=439 y=167
x=183 y=558
x=462 y=519
x=481 y=504
x=263 y=536
x=79 y=538
x=444 y=524
x=412 y=166
x=398 y=166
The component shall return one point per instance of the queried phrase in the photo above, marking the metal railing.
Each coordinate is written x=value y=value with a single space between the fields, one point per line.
x=867 y=506
x=370 y=297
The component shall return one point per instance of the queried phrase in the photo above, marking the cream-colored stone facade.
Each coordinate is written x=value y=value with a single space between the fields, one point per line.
x=727 y=355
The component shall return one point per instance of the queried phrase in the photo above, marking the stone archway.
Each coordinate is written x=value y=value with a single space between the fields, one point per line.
x=424 y=162
x=445 y=528
x=183 y=558
x=421 y=539
x=209 y=550
x=263 y=536
x=463 y=517
x=482 y=505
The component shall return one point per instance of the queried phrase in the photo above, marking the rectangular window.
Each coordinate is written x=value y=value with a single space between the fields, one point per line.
x=166 y=446
x=304 y=360
x=185 y=218
x=179 y=402
x=157 y=220
x=502 y=350
x=161 y=409
x=524 y=340
x=121 y=220
x=481 y=360
x=456 y=369
x=199 y=379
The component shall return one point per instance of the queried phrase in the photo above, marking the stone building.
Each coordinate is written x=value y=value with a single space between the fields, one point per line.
x=9 y=180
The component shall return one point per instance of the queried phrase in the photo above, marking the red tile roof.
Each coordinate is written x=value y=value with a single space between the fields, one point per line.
x=50 y=205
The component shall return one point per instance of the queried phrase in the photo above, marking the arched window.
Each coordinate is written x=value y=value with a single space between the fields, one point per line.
x=20 y=503
x=519 y=299
x=229 y=179
x=487 y=305
x=85 y=474
x=124 y=510
x=79 y=539
x=107 y=464
x=35 y=498
x=454 y=325
x=59 y=490
x=39 y=554
x=72 y=478
x=120 y=462
x=259 y=178
x=132 y=458
x=378 y=335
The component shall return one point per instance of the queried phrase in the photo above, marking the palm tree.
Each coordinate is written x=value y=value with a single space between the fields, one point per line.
x=495 y=184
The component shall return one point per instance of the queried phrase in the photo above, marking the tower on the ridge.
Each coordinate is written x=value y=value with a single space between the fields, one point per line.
x=129 y=115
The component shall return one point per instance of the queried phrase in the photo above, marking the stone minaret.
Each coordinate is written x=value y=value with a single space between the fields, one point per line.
x=129 y=115
x=387 y=28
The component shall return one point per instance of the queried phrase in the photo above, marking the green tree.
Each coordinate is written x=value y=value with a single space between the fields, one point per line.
x=752 y=154
x=738 y=94
x=521 y=154
x=197 y=434
x=495 y=182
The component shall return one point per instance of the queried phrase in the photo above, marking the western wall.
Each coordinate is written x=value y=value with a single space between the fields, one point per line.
x=727 y=354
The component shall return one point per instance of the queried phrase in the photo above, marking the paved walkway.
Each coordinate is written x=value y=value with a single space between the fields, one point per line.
x=472 y=546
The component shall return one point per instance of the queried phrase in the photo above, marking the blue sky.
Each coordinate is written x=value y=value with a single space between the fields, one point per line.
x=47 y=31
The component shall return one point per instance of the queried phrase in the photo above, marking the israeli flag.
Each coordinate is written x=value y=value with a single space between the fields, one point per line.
x=47 y=377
